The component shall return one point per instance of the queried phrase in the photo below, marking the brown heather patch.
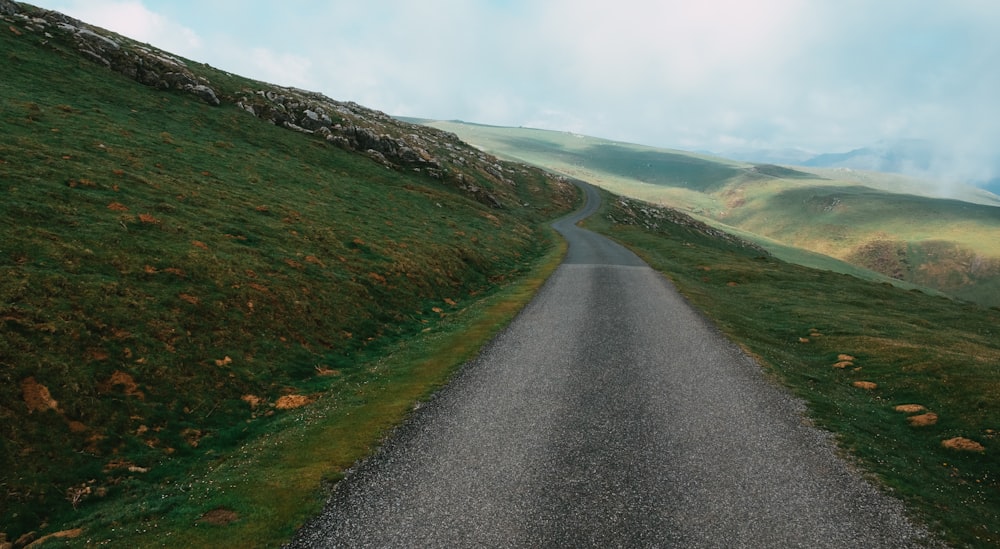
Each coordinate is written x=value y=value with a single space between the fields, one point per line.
x=199 y=244
x=253 y=400
x=125 y=380
x=963 y=444
x=64 y=534
x=910 y=408
x=923 y=420
x=37 y=396
x=148 y=219
x=843 y=364
x=289 y=402
x=866 y=385
x=219 y=516
x=117 y=207
x=189 y=298
x=845 y=358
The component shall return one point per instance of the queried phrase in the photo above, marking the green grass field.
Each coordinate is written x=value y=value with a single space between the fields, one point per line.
x=821 y=332
x=176 y=278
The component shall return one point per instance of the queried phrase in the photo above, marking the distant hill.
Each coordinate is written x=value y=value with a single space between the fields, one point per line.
x=909 y=230
x=909 y=156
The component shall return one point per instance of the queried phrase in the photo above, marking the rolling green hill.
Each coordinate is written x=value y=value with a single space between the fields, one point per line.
x=896 y=228
x=187 y=257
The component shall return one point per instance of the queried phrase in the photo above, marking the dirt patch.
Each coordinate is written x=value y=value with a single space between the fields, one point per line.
x=37 y=396
x=289 y=402
x=963 y=444
x=866 y=385
x=910 y=408
x=923 y=420
x=220 y=516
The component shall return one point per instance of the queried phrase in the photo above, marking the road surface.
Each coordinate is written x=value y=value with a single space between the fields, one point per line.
x=608 y=414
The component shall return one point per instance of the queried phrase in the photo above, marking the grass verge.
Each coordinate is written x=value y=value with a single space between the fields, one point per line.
x=856 y=352
x=259 y=495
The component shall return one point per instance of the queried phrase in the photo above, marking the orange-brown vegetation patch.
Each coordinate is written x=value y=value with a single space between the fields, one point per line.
x=117 y=207
x=77 y=426
x=325 y=371
x=148 y=219
x=866 y=385
x=845 y=358
x=289 y=402
x=37 y=396
x=252 y=400
x=189 y=298
x=803 y=340
x=65 y=534
x=125 y=380
x=910 y=408
x=219 y=516
x=923 y=420
x=843 y=364
x=199 y=244
x=963 y=444
x=225 y=361
x=192 y=436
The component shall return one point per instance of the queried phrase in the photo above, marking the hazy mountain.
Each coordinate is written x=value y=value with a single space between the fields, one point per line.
x=907 y=156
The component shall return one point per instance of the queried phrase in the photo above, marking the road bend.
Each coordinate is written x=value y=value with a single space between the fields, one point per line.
x=609 y=414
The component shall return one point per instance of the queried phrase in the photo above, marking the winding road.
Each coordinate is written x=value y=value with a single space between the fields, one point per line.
x=609 y=414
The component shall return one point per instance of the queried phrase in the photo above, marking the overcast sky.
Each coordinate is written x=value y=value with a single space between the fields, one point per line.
x=822 y=75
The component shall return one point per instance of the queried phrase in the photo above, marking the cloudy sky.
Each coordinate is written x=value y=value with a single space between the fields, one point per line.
x=719 y=75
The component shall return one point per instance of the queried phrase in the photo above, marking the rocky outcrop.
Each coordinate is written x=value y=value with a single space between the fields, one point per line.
x=388 y=141
x=392 y=143
x=144 y=64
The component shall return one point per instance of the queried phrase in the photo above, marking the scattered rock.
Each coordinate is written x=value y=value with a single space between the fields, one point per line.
x=963 y=444
x=910 y=408
x=866 y=385
x=923 y=420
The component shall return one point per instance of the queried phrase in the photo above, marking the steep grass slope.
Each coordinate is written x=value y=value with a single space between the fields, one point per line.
x=175 y=274
x=895 y=226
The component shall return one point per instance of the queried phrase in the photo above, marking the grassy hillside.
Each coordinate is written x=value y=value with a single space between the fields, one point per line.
x=177 y=277
x=895 y=226
x=858 y=353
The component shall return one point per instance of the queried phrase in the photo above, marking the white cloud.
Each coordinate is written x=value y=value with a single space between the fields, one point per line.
x=134 y=20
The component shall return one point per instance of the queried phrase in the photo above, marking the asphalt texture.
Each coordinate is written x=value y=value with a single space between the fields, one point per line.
x=609 y=414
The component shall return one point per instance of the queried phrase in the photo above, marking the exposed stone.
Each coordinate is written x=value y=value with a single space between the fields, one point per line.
x=8 y=8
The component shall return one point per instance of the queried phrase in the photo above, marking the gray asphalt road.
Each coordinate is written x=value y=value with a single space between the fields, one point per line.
x=608 y=414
